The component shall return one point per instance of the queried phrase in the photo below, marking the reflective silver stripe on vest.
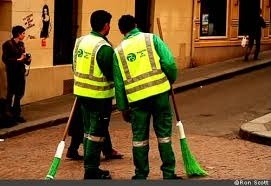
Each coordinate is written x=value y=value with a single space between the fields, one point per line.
x=94 y=138
x=149 y=49
x=75 y=53
x=140 y=143
x=93 y=87
x=92 y=59
x=124 y=64
x=143 y=76
x=146 y=85
x=164 y=140
x=87 y=76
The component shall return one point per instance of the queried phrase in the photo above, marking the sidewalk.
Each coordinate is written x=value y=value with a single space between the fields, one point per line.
x=56 y=110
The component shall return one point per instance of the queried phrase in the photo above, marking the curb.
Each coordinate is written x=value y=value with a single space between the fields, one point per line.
x=214 y=77
x=257 y=130
x=34 y=125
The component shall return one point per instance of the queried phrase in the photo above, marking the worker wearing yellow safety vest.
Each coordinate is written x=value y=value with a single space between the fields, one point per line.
x=143 y=70
x=94 y=88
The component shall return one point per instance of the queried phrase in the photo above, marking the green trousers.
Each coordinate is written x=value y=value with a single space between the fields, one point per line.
x=141 y=111
x=96 y=116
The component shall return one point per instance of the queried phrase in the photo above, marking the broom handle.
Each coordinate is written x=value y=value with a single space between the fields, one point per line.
x=172 y=91
x=69 y=120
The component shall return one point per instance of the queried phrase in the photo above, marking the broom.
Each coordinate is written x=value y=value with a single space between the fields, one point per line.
x=60 y=148
x=192 y=167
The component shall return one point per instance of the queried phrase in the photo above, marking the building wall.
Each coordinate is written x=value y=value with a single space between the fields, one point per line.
x=176 y=22
x=211 y=50
x=45 y=80
x=5 y=24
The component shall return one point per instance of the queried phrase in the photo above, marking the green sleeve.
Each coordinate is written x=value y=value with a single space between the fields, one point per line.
x=167 y=60
x=105 y=61
x=120 y=95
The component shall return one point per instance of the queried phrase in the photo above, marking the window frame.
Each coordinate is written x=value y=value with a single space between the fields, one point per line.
x=227 y=25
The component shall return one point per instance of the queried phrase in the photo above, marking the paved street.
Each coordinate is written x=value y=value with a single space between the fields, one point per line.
x=212 y=116
x=29 y=156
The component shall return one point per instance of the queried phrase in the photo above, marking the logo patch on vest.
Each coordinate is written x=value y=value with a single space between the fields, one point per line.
x=131 y=57
x=80 y=53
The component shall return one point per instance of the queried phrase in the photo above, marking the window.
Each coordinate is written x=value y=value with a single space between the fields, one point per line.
x=213 y=16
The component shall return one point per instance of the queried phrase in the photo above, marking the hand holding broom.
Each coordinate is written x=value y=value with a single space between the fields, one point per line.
x=192 y=168
x=60 y=148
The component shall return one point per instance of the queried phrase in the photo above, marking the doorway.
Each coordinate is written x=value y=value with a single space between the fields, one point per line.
x=65 y=30
x=144 y=14
x=248 y=10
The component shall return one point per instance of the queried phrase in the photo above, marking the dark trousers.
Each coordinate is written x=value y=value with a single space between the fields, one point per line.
x=76 y=130
x=257 y=39
x=96 y=116
x=159 y=108
x=15 y=92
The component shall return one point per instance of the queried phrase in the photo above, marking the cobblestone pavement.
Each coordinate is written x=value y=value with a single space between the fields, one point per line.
x=29 y=156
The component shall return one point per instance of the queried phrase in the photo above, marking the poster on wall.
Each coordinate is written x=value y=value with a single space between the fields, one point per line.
x=46 y=24
x=28 y=21
x=205 y=24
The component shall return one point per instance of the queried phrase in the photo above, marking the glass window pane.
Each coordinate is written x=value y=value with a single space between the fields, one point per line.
x=213 y=17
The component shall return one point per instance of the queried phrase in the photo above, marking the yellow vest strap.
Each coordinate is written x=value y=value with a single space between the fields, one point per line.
x=146 y=85
x=90 y=77
x=93 y=87
x=143 y=76
x=92 y=58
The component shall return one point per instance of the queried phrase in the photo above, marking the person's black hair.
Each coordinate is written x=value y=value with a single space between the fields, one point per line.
x=98 y=19
x=127 y=23
x=17 y=30
x=43 y=8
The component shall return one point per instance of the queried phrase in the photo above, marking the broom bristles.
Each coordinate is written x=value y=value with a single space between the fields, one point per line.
x=192 y=167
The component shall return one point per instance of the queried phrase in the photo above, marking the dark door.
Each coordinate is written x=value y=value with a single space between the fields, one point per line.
x=65 y=29
x=143 y=14
x=248 y=10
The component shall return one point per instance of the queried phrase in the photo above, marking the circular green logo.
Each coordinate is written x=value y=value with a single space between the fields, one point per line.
x=131 y=57
x=80 y=53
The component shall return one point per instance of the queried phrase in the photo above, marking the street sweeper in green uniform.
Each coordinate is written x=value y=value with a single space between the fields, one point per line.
x=144 y=69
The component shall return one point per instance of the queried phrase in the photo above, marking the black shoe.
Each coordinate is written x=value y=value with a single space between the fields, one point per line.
x=20 y=119
x=114 y=155
x=246 y=58
x=175 y=177
x=7 y=124
x=73 y=154
x=97 y=174
x=135 y=177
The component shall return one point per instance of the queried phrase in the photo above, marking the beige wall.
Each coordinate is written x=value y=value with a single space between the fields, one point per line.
x=117 y=8
x=5 y=25
x=176 y=21
x=45 y=80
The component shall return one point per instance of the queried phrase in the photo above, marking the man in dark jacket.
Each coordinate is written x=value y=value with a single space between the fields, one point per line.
x=254 y=34
x=15 y=58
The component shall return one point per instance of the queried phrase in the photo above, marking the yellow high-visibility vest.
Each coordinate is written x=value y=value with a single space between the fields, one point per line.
x=140 y=68
x=89 y=80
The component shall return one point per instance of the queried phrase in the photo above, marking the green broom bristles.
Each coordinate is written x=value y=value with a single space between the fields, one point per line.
x=192 y=167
